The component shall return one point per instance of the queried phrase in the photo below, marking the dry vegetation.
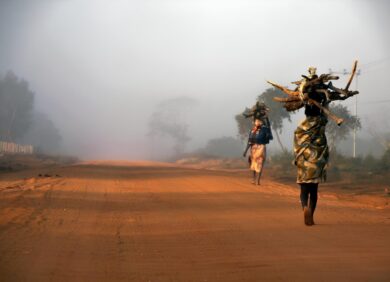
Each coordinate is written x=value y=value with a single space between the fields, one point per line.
x=346 y=175
x=9 y=163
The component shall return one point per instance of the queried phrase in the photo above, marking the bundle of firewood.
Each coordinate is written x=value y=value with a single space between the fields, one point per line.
x=291 y=104
x=297 y=98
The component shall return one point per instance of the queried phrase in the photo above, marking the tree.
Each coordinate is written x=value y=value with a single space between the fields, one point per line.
x=244 y=125
x=335 y=132
x=168 y=120
x=385 y=160
x=380 y=131
x=43 y=134
x=223 y=147
x=16 y=107
x=277 y=115
x=19 y=122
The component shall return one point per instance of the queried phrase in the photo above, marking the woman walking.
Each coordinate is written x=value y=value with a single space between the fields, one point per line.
x=314 y=93
x=259 y=136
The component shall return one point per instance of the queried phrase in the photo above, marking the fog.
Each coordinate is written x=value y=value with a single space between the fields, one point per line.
x=101 y=69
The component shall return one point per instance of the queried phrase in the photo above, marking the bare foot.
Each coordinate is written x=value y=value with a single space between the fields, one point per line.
x=307 y=216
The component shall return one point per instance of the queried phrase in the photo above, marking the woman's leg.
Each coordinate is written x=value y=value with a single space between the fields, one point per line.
x=258 y=178
x=307 y=214
x=263 y=156
x=313 y=196
x=254 y=177
x=304 y=194
x=261 y=166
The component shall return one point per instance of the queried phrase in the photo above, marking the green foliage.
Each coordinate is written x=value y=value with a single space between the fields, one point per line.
x=282 y=165
x=359 y=169
x=244 y=125
x=356 y=170
x=168 y=120
x=277 y=113
x=19 y=122
x=16 y=107
x=336 y=133
x=385 y=160
x=284 y=159
x=368 y=164
x=43 y=135
x=228 y=147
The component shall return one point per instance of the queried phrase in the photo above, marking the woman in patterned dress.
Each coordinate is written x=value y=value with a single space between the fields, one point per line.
x=314 y=93
x=259 y=136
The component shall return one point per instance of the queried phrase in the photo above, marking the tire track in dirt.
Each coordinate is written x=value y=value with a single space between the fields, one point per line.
x=145 y=224
x=72 y=221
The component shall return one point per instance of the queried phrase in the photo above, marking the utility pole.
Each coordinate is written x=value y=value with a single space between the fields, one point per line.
x=345 y=72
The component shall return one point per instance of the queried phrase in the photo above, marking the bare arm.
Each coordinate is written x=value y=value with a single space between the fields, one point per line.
x=246 y=149
x=250 y=114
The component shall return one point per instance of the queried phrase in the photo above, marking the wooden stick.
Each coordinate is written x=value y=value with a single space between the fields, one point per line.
x=336 y=119
x=352 y=75
x=284 y=89
x=328 y=113
x=289 y=99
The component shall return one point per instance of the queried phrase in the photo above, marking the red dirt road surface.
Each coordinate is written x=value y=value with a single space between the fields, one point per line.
x=157 y=222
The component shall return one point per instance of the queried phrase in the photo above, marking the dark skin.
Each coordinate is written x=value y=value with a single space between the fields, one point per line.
x=312 y=110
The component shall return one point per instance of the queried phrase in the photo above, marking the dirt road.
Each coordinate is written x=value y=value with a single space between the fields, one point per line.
x=152 y=222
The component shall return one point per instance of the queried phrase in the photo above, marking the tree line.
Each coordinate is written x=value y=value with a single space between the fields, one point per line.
x=20 y=122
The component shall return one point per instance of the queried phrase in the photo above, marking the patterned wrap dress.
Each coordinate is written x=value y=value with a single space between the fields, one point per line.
x=311 y=150
x=258 y=138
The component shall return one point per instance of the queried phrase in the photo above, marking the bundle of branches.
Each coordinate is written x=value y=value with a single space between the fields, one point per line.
x=291 y=103
x=258 y=111
x=296 y=98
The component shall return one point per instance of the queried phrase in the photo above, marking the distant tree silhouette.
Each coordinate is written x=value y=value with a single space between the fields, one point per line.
x=43 y=134
x=16 y=107
x=223 y=147
x=244 y=124
x=19 y=122
x=168 y=120
x=336 y=133
x=385 y=161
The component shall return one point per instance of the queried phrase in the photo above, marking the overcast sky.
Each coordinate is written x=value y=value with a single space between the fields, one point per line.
x=100 y=67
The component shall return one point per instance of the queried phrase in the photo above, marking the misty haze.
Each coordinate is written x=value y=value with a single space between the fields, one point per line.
x=128 y=147
x=99 y=69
